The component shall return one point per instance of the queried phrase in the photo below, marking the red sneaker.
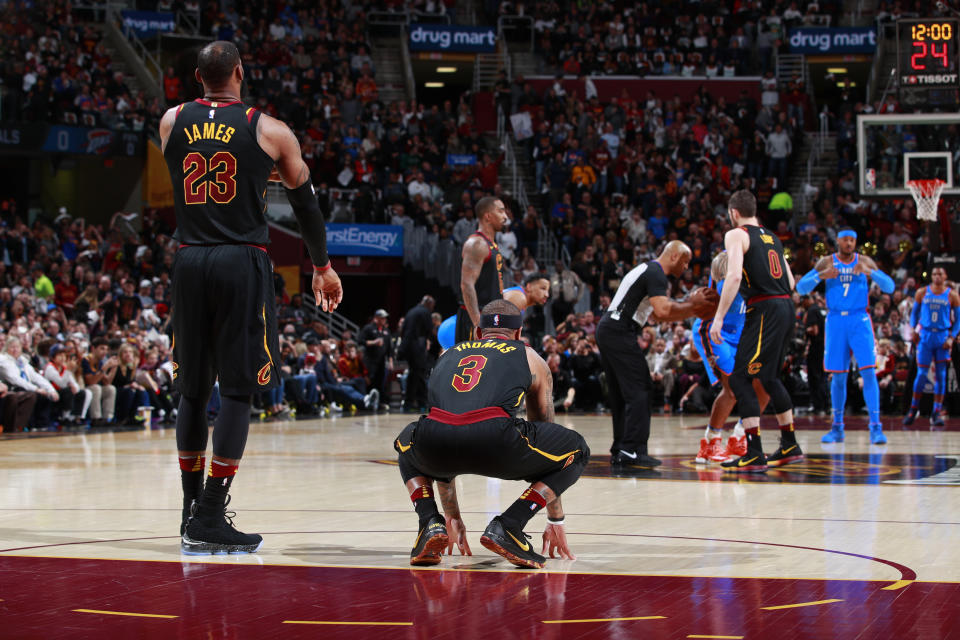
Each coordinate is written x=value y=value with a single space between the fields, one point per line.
x=736 y=447
x=708 y=449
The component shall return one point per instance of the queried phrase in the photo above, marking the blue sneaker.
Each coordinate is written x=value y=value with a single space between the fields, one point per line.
x=876 y=434
x=834 y=435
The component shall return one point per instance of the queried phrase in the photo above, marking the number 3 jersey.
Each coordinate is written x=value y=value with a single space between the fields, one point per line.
x=219 y=174
x=848 y=291
x=479 y=374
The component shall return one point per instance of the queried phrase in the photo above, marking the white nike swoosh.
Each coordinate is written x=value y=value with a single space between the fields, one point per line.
x=632 y=456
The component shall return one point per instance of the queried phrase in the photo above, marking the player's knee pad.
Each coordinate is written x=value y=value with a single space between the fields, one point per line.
x=560 y=481
x=940 y=383
x=779 y=397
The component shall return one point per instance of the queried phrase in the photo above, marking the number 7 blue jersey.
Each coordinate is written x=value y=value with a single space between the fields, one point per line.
x=848 y=291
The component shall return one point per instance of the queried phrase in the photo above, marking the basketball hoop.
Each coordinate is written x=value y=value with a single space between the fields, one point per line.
x=926 y=193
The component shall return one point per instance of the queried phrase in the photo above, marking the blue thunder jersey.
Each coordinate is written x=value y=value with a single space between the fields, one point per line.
x=848 y=291
x=935 y=310
x=736 y=316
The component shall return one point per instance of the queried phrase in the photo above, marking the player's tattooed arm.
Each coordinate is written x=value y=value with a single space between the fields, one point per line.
x=448 y=498
x=540 y=393
x=475 y=252
x=826 y=269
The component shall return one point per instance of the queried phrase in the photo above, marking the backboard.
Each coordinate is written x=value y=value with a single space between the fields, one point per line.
x=897 y=147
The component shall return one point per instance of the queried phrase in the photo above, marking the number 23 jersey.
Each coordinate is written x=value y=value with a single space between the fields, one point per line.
x=477 y=374
x=219 y=174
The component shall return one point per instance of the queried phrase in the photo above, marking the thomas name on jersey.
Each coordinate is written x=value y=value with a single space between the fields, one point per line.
x=502 y=347
x=210 y=131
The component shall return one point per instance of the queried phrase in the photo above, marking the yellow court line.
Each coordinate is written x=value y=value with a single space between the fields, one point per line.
x=719 y=637
x=605 y=619
x=899 y=584
x=802 y=604
x=124 y=613
x=377 y=624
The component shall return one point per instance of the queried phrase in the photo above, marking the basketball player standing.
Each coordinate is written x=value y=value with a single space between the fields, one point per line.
x=221 y=154
x=756 y=267
x=481 y=273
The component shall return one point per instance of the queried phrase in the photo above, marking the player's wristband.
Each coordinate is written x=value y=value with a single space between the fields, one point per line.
x=556 y=523
x=322 y=269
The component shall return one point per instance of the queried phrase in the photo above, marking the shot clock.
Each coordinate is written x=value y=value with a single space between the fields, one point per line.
x=927 y=64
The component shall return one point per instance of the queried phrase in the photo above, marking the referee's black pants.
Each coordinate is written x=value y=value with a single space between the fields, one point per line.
x=628 y=385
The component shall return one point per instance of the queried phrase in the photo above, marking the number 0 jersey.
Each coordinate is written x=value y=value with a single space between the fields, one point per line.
x=219 y=173
x=478 y=374
x=935 y=310
x=764 y=269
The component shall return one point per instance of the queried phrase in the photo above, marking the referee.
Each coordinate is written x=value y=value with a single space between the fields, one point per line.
x=221 y=154
x=643 y=292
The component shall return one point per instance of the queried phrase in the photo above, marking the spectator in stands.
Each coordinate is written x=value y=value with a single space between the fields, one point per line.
x=17 y=372
x=663 y=364
x=375 y=338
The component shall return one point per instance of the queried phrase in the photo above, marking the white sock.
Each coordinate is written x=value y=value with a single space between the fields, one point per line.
x=711 y=433
x=738 y=431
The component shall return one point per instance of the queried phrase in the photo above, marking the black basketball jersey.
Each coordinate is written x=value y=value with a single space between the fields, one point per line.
x=219 y=174
x=489 y=284
x=479 y=374
x=764 y=268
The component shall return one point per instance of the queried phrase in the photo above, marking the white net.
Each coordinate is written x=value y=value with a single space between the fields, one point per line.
x=926 y=193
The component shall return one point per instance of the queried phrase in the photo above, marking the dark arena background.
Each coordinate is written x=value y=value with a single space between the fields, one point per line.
x=607 y=129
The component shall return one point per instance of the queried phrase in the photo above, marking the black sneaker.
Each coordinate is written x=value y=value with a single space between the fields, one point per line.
x=750 y=462
x=431 y=541
x=512 y=545
x=785 y=454
x=624 y=459
x=936 y=419
x=202 y=539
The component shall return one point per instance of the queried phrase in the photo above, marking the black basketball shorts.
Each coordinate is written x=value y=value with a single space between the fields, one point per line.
x=505 y=448
x=224 y=320
x=464 y=327
x=766 y=336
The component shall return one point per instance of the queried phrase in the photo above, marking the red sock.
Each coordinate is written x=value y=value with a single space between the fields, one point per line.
x=754 y=431
x=222 y=470
x=192 y=463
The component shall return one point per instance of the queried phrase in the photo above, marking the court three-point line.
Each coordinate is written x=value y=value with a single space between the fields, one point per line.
x=801 y=604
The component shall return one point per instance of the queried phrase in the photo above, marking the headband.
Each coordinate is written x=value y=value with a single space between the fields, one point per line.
x=500 y=321
x=847 y=233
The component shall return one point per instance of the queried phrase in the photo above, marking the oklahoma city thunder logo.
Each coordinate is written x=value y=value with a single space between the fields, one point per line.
x=263 y=376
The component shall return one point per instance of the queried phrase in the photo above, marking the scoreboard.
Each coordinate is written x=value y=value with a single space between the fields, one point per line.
x=928 y=70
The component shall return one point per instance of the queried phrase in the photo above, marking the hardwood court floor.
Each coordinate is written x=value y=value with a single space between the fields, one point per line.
x=858 y=541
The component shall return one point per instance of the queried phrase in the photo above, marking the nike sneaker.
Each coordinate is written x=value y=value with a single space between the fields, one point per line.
x=709 y=449
x=834 y=435
x=786 y=453
x=625 y=459
x=752 y=460
x=936 y=419
x=217 y=536
x=736 y=448
x=910 y=417
x=431 y=541
x=876 y=434
x=513 y=545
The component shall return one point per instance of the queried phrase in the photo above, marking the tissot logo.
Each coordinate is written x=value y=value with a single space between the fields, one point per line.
x=932 y=78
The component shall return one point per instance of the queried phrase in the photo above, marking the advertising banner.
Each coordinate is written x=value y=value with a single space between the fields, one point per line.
x=145 y=24
x=828 y=41
x=452 y=37
x=384 y=240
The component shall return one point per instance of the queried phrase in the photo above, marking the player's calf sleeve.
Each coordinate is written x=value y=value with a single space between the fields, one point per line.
x=560 y=481
x=192 y=428
x=940 y=384
x=231 y=428
x=838 y=396
x=742 y=388
x=779 y=397
x=871 y=393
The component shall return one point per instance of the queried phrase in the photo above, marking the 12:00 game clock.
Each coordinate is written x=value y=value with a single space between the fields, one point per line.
x=927 y=65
